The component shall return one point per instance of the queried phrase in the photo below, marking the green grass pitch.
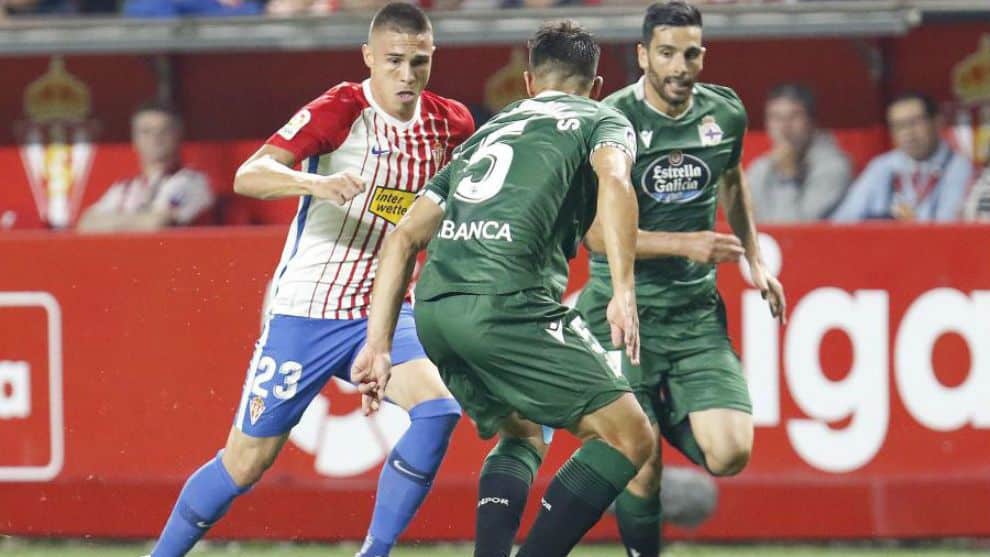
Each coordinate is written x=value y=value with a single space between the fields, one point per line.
x=23 y=548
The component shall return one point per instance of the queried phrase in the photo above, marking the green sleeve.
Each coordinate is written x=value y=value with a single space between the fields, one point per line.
x=613 y=129
x=438 y=188
x=737 y=149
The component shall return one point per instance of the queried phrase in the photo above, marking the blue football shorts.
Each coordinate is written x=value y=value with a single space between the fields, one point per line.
x=296 y=356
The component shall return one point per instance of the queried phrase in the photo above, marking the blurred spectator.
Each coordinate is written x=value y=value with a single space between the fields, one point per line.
x=805 y=174
x=922 y=179
x=181 y=8
x=164 y=193
x=977 y=206
x=56 y=7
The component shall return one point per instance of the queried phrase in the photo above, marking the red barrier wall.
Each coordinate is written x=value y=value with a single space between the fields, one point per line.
x=121 y=377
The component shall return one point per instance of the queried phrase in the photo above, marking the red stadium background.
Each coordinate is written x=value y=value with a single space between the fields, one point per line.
x=121 y=358
x=870 y=404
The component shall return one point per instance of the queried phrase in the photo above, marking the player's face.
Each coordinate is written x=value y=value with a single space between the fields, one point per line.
x=156 y=137
x=400 y=67
x=911 y=130
x=788 y=121
x=672 y=61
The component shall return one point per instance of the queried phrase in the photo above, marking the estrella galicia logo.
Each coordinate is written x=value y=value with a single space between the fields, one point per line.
x=675 y=177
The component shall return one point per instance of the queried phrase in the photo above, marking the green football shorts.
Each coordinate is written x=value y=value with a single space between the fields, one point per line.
x=521 y=353
x=687 y=363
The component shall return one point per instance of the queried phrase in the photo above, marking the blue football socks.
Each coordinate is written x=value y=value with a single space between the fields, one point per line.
x=409 y=471
x=204 y=499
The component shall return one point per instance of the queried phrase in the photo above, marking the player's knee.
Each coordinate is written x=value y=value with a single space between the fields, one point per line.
x=247 y=462
x=247 y=470
x=730 y=454
x=637 y=442
x=434 y=421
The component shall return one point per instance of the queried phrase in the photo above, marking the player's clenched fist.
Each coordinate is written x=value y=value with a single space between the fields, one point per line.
x=712 y=247
x=338 y=188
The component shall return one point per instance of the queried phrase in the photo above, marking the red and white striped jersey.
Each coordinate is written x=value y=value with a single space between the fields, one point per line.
x=331 y=252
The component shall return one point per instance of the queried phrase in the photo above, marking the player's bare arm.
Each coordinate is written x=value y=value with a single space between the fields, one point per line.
x=372 y=366
x=738 y=206
x=703 y=246
x=268 y=174
x=618 y=213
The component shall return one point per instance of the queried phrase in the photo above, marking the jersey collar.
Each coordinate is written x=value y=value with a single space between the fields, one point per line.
x=640 y=91
x=389 y=119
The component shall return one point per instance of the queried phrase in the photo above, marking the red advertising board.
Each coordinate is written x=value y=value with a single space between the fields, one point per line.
x=122 y=358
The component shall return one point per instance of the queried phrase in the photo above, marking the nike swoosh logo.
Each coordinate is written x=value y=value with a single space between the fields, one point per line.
x=398 y=464
x=379 y=152
x=202 y=524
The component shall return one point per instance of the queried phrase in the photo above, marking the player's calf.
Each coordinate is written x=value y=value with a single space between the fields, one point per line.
x=408 y=473
x=209 y=491
x=246 y=458
x=618 y=441
x=504 y=483
x=638 y=509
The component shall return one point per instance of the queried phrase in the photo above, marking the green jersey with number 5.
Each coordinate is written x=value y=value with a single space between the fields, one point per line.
x=518 y=197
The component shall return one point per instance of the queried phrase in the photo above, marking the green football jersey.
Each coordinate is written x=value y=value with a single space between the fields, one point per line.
x=518 y=197
x=680 y=163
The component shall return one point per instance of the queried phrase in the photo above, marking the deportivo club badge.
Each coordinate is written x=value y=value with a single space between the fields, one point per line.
x=56 y=142
x=709 y=131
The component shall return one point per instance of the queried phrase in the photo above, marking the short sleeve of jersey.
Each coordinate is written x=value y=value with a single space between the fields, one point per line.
x=740 y=120
x=462 y=123
x=613 y=130
x=322 y=125
x=438 y=188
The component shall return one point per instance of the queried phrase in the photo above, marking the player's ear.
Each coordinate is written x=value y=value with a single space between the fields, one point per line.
x=642 y=56
x=530 y=88
x=596 y=87
x=367 y=55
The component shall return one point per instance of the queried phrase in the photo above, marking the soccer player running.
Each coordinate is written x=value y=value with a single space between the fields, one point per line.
x=504 y=216
x=366 y=148
x=689 y=380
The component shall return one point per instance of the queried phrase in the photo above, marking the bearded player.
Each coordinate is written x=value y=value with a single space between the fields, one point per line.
x=366 y=149
x=689 y=380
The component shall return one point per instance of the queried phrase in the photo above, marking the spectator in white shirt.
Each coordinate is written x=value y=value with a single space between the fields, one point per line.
x=164 y=193
x=805 y=174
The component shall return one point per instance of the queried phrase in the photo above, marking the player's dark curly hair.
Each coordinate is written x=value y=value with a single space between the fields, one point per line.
x=566 y=48
x=674 y=13
x=402 y=17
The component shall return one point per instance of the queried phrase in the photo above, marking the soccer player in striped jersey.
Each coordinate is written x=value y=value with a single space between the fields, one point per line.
x=365 y=150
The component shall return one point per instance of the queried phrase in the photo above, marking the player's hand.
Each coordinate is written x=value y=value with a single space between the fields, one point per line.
x=371 y=372
x=338 y=188
x=902 y=211
x=708 y=246
x=771 y=290
x=623 y=320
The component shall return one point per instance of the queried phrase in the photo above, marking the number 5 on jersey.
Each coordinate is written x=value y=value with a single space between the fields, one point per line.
x=492 y=157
